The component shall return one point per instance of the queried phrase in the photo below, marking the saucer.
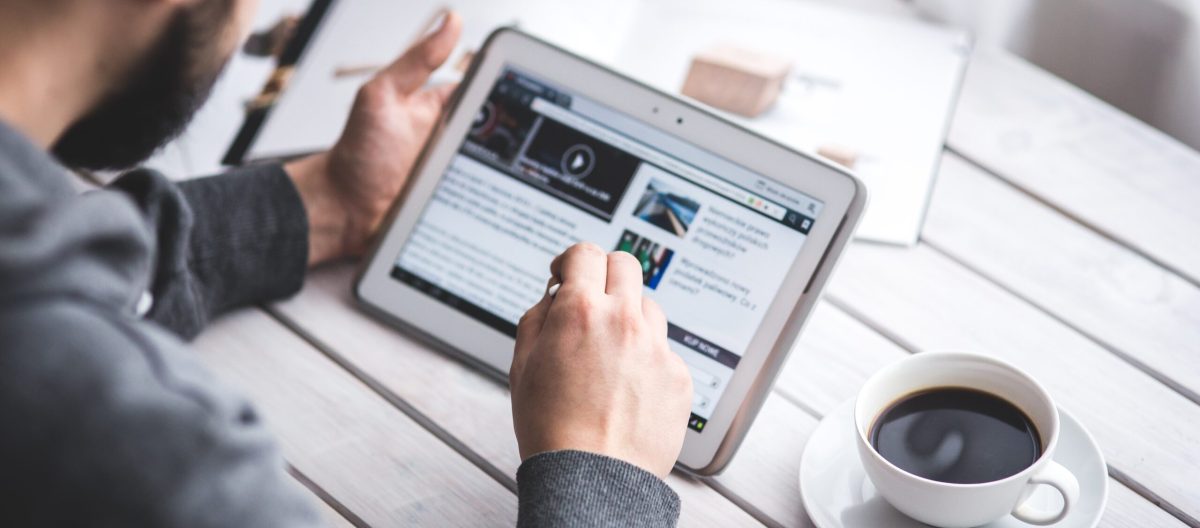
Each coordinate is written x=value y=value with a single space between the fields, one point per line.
x=837 y=493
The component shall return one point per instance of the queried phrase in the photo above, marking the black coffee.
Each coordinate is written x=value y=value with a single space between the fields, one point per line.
x=956 y=435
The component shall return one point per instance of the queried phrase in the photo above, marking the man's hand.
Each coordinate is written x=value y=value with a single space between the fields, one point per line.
x=347 y=190
x=592 y=370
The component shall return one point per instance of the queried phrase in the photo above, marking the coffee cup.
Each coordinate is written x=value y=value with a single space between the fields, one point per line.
x=953 y=426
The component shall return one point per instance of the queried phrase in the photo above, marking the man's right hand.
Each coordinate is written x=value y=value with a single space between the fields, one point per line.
x=592 y=370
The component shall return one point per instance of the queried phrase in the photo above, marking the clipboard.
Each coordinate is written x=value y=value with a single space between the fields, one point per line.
x=257 y=115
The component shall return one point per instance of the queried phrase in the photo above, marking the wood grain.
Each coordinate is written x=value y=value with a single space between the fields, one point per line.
x=331 y=516
x=472 y=408
x=371 y=457
x=1098 y=286
x=932 y=303
x=835 y=355
x=1127 y=509
x=1105 y=168
x=766 y=469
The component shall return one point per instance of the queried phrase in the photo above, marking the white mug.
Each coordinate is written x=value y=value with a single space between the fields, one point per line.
x=950 y=505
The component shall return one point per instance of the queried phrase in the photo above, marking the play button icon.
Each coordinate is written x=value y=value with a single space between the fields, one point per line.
x=578 y=161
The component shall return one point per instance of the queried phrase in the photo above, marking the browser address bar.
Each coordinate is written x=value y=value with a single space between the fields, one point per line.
x=714 y=184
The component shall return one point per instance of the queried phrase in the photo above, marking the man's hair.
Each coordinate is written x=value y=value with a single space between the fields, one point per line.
x=157 y=100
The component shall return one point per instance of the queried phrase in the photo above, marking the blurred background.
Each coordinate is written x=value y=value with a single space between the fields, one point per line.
x=1142 y=56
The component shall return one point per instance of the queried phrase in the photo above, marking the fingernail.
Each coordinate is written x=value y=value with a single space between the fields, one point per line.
x=438 y=22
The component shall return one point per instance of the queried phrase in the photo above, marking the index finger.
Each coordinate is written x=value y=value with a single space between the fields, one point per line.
x=582 y=267
x=409 y=73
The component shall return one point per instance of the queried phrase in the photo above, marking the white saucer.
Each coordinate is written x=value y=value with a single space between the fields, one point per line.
x=837 y=493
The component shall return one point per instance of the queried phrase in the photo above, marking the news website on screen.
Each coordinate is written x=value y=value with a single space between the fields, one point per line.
x=542 y=169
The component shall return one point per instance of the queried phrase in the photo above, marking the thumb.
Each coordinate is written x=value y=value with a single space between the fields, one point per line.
x=409 y=73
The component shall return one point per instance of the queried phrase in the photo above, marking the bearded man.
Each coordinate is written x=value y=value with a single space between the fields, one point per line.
x=106 y=419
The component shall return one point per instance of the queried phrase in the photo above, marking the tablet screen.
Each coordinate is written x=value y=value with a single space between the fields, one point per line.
x=543 y=168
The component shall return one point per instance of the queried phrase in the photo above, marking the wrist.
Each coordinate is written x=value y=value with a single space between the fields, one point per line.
x=328 y=219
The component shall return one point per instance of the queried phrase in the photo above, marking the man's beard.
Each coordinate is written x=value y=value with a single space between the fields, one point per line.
x=157 y=101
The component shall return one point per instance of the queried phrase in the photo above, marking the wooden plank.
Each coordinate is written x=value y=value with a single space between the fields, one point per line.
x=835 y=356
x=1097 y=286
x=331 y=516
x=1107 y=169
x=766 y=469
x=1127 y=509
x=1147 y=431
x=334 y=512
x=472 y=408
x=375 y=460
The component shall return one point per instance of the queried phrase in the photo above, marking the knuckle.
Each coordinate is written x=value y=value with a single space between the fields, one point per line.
x=622 y=258
x=371 y=92
x=627 y=323
x=654 y=314
x=583 y=249
x=578 y=304
x=626 y=266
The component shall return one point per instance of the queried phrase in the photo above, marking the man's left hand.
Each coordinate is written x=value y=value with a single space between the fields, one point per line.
x=348 y=190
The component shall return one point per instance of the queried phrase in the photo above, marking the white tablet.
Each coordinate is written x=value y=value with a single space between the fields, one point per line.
x=541 y=149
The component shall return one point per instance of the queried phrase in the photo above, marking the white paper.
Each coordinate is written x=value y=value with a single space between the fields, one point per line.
x=881 y=86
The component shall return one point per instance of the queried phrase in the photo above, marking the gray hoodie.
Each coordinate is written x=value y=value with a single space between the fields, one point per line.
x=107 y=419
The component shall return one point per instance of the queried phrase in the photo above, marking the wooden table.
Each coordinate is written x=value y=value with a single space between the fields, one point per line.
x=1063 y=237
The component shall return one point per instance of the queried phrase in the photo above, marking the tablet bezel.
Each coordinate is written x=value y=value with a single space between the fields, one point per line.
x=843 y=196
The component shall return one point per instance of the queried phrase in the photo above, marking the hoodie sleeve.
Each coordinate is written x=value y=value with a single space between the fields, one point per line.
x=575 y=488
x=222 y=242
x=107 y=419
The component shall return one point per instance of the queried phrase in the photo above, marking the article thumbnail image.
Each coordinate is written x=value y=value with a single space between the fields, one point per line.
x=654 y=257
x=662 y=206
x=501 y=124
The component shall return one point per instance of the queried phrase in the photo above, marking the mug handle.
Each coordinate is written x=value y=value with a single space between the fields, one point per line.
x=1054 y=474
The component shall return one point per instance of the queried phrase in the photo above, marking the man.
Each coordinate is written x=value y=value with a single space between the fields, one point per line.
x=108 y=421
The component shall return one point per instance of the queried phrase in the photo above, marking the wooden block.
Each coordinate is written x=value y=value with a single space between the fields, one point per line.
x=736 y=80
x=840 y=154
